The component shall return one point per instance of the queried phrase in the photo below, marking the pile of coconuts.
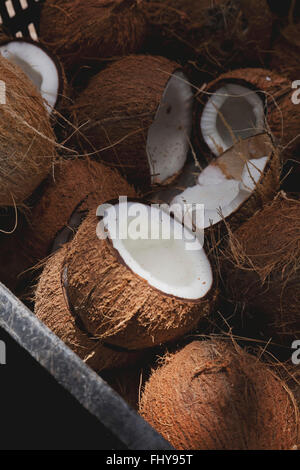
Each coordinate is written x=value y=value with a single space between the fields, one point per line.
x=147 y=107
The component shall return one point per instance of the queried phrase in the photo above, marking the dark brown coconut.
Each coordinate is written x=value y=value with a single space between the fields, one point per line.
x=285 y=52
x=117 y=305
x=74 y=188
x=262 y=268
x=88 y=31
x=130 y=92
x=212 y=395
x=27 y=140
x=282 y=116
x=51 y=307
x=222 y=33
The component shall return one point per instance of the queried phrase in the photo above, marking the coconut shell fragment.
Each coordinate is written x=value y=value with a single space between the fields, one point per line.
x=212 y=395
x=79 y=32
x=262 y=268
x=27 y=140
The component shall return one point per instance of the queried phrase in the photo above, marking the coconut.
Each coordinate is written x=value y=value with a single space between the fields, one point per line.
x=243 y=103
x=27 y=140
x=52 y=308
x=262 y=268
x=137 y=289
x=88 y=31
x=285 y=52
x=233 y=187
x=40 y=67
x=68 y=194
x=212 y=395
x=220 y=33
x=144 y=122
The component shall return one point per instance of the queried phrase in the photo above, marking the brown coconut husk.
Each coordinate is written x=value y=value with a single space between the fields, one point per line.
x=285 y=52
x=115 y=304
x=79 y=32
x=116 y=131
x=27 y=140
x=51 y=307
x=212 y=395
x=76 y=186
x=262 y=268
x=221 y=33
x=282 y=118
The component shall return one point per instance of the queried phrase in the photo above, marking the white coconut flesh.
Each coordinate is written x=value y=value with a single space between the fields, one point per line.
x=38 y=66
x=169 y=135
x=232 y=113
x=219 y=195
x=159 y=249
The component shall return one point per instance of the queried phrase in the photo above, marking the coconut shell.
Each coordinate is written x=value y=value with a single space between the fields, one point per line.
x=51 y=307
x=219 y=33
x=27 y=140
x=285 y=52
x=212 y=395
x=262 y=268
x=282 y=116
x=130 y=92
x=76 y=186
x=80 y=32
x=115 y=304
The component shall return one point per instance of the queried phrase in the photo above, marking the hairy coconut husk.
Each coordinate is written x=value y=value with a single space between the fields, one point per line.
x=51 y=307
x=220 y=33
x=212 y=395
x=117 y=305
x=95 y=29
x=282 y=116
x=285 y=52
x=76 y=186
x=130 y=91
x=262 y=268
x=27 y=140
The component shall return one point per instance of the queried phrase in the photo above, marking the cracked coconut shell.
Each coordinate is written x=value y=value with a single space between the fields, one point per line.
x=117 y=305
x=80 y=32
x=27 y=140
x=262 y=268
x=52 y=308
x=212 y=395
x=129 y=92
x=282 y=117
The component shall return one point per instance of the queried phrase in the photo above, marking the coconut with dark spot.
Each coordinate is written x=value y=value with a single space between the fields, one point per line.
x=222 y=33
x=27 y=140
x=242 y=103
x=52 y=308
x=262 y=268
x=212 y=395
x=143 y=122
x=80 y=32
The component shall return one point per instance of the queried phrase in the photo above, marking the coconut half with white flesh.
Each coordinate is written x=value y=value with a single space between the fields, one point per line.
x=39 y=66
x=143 y=124
x=241 y=104
x=147 y=283
x=232 y=186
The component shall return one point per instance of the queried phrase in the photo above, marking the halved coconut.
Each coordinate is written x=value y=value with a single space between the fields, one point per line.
x=212 y=395
x=91 y=30
x=26 y=139
x=75 y=187
x=220 y=33
x=143 y=122
x=39 y=66
x=52 y=308
x=148 y=283
x=262 y=268
x=243 y=103
x=233 y=186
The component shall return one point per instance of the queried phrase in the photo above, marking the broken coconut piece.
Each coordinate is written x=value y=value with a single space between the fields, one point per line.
x=137 y=293
x=39 y=67
x=242 y=103
x=229 y=182
x=144 y=122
